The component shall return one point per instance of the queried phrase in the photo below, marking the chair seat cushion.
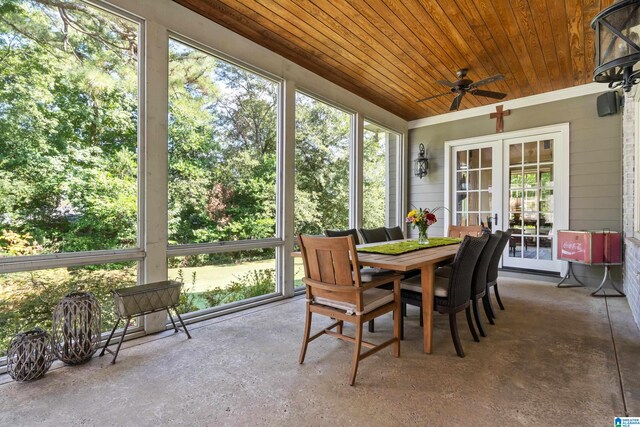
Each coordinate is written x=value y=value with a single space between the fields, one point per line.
x=444 y=271
x=441 y=286
x=367 y=274
x=373 y=298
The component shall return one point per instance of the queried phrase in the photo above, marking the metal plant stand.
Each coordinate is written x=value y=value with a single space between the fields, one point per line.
x=76 y=328
x=145 y=299
x=29 y=355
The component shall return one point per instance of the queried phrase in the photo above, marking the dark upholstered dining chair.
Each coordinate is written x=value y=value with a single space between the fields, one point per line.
x=479 y=284
x=373 y=235
x=334 y=289
x=394 y=233
x=492 y=275
x=341 y=233
x=451 y=294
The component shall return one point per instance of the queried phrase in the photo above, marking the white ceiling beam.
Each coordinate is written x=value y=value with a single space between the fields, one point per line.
x=543 y=98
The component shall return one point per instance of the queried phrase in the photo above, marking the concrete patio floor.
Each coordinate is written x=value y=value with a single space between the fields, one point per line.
x=549 y=360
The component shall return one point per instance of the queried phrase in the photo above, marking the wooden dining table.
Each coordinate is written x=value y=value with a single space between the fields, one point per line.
x=425 y=260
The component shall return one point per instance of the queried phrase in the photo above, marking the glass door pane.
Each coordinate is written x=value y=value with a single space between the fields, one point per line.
x=473 y=183
x=530 y=200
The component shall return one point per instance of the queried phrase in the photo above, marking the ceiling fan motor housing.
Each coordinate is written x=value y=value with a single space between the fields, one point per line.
x=463 y=85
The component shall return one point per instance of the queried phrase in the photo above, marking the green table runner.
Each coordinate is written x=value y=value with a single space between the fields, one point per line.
x=409 y=246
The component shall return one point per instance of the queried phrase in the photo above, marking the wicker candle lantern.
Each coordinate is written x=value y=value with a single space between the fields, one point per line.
x=76 y=328
x=29 y=355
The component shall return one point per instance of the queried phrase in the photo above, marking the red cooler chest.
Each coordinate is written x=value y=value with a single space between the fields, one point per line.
x=590 y=247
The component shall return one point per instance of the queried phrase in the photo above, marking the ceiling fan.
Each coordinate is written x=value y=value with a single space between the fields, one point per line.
x=463 y=85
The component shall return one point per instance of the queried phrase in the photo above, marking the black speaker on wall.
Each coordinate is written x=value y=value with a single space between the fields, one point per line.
x=608 y=104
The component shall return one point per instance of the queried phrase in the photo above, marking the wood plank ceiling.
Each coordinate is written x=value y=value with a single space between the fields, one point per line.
x=391 y=52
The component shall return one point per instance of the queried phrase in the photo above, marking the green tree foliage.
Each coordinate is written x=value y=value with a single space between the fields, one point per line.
x=222 y=150
x=68 y=125
x=68 y=152
x=374 y=176
x=68 y=138
x=322 y=166
x=69 y=156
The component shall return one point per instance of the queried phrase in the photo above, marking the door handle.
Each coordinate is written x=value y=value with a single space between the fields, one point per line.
x=495 y=218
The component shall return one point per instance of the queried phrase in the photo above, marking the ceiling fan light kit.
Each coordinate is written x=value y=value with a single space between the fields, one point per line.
x=617 y=42
x=463 y=85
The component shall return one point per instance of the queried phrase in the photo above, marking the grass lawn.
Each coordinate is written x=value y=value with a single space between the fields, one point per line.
x=212 y=276
x=298 y=272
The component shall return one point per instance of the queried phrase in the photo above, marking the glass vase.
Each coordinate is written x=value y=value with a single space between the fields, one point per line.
x=423 y=235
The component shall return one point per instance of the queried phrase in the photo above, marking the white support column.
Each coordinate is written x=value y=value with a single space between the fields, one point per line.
x=155 y=178
x=286 y=190
x=402 y=185
x=355 y=169
x=390 y=168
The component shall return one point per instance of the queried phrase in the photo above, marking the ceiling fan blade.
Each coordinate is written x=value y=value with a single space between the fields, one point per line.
x=488 y=80
x=446 y=83
x=431 y=97
x=488 y=93
x=455 y=105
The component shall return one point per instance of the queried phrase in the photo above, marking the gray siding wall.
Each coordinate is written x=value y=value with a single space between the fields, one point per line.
x=595 y=188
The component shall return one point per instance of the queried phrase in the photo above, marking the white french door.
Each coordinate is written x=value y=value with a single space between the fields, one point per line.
x=477 y=189
x=516 y=181
x=530 y=202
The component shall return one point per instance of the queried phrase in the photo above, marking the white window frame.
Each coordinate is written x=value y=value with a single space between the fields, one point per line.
x=159 y=20
x=278 y=241
x=279 y=235
x=355 y=154
x=24 y=263
x=400 y=172
x=73 y=259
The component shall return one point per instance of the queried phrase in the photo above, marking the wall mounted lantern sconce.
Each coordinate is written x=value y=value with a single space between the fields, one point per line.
x=617 y=42
x=421 y=166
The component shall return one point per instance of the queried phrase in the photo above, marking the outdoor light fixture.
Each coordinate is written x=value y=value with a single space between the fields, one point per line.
x=421 y=167
x=618 y=44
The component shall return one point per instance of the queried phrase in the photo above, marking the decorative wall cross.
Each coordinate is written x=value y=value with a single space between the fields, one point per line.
x=499 y=116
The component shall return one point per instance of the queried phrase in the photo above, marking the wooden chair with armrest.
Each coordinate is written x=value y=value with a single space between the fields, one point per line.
x=460 y=231
x=334 y=289
x=366 y=273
